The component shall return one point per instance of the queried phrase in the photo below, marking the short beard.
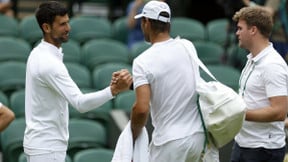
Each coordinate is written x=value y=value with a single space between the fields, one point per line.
x=60 y=40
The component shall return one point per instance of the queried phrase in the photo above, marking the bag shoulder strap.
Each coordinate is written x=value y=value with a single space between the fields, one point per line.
x=189 y=47
x=192 y=55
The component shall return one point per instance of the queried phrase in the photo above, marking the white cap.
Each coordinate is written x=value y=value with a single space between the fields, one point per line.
x=152 y=10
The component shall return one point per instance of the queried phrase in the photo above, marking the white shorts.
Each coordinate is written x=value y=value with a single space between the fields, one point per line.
x=49 y=157
x=187 y=149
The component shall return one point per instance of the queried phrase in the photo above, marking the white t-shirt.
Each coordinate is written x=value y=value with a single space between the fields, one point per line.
x=166 y=67
x=48 y=88
x=267 y=77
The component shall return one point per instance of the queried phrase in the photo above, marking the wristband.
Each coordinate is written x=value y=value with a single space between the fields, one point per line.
x=131 y=87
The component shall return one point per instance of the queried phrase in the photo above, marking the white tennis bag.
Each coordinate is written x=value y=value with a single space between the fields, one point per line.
x=223 y=110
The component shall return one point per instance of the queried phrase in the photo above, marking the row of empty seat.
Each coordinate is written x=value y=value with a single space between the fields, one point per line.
x=97 y=77
x=92 y=53
x=84 y=134
x=100 y=51
x=96 y=40
x=84 y=28
x=87 y=155
x=13 y=75
x=123 y=101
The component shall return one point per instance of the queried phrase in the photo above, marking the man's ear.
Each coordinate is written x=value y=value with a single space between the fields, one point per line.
x=46 y=27
x=146 y=20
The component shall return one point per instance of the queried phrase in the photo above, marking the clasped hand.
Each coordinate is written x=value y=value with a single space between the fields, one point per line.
x=121 y=81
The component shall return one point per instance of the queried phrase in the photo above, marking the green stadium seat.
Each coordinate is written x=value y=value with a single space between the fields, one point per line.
x=13 y=76
x=22 y=158
x=12 y=140
x=225 y=74
x=14 y=49
x=8 y=26
x=84 y=28
x=100 y=114
x=188 y=28
x=125 y=101
x=93 y=155
x=4 y=99
x=80 y=74
x=101 y=51
x=209 y=52
x=137 y=49
x=30 y=30
x=102 y=74
x=72 y=51
x=85 y=134
x=17 y=103
x=237 y=57
x=120 y=29
x=217 y=31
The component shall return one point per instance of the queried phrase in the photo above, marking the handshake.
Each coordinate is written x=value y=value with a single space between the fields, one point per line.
x=121 y=81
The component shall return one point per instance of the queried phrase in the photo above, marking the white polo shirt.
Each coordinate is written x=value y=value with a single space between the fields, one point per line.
x=48 y=88
x=166 y=67
x=266 y=77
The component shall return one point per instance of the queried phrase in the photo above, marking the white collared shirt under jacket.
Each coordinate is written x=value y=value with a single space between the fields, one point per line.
x=49 y=88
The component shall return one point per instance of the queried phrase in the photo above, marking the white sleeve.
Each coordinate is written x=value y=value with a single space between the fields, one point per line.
x=61 y=81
